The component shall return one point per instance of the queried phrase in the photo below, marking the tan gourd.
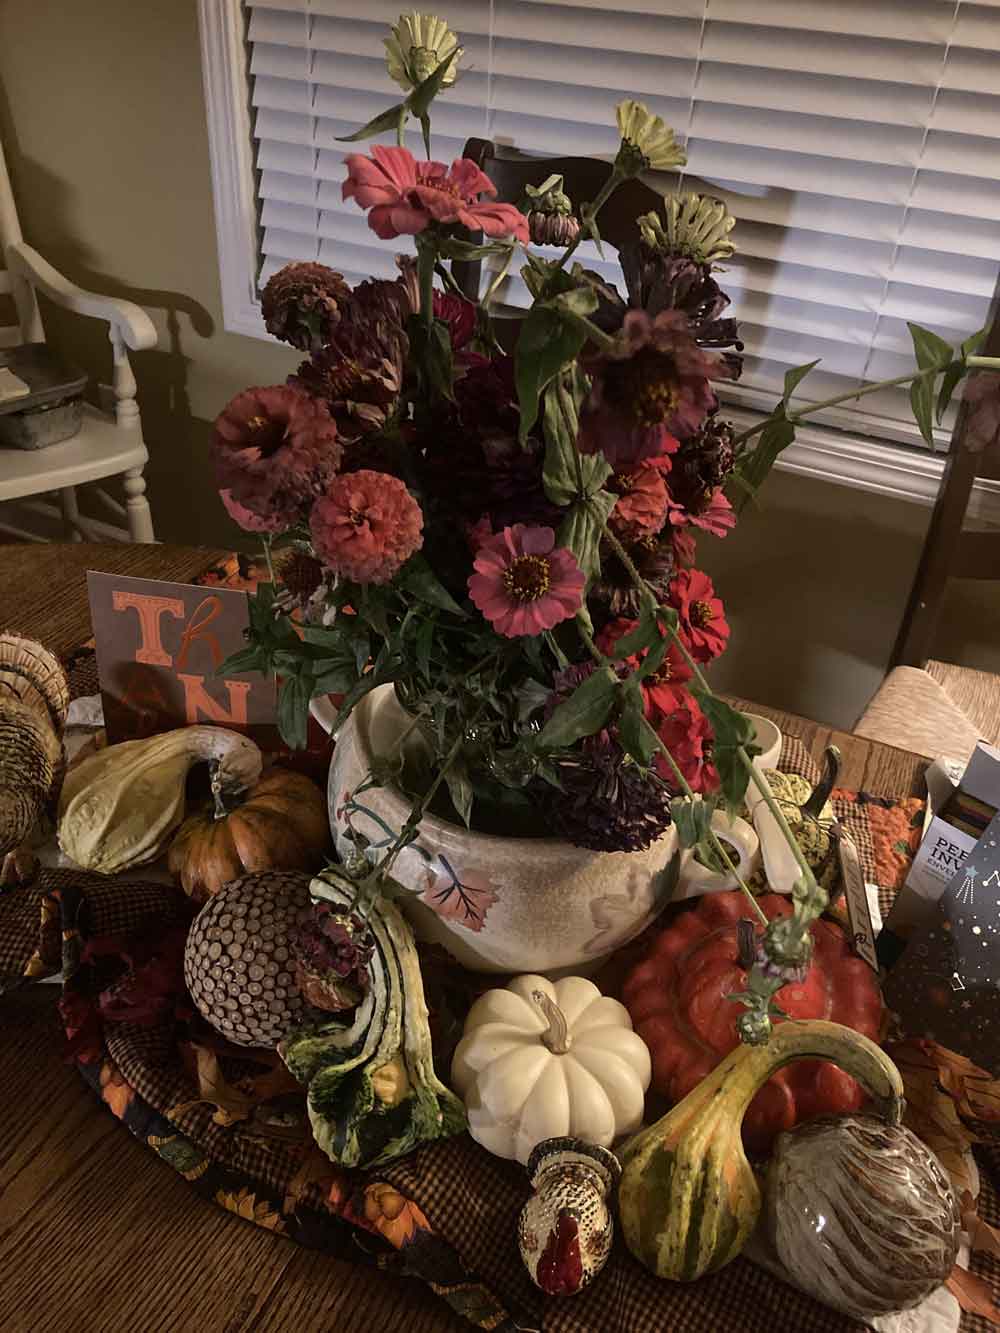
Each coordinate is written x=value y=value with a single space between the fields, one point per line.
x=119 y=808
x=688 y=1198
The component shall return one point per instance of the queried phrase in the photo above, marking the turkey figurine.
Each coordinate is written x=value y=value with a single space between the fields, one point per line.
x=34 y=699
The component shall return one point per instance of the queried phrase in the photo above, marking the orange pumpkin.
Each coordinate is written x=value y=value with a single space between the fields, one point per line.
x=281 y=823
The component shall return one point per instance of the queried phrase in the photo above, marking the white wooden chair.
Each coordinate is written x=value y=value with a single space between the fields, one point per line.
x=43 y=481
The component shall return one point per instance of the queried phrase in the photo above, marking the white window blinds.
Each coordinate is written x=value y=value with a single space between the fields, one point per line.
x=856 y=141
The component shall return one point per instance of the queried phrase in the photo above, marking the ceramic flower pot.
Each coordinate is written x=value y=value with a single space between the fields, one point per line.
x=496 y=904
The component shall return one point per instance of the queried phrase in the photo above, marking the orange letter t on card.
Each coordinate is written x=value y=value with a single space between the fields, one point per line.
x=149 y=609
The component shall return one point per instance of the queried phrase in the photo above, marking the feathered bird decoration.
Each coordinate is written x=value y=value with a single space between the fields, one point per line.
x=34 y=698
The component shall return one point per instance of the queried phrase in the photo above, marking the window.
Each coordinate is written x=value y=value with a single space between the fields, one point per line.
x=855 y=141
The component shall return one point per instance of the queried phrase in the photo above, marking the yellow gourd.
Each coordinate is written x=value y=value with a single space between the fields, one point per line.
x=119 y=808
x=688 y=1199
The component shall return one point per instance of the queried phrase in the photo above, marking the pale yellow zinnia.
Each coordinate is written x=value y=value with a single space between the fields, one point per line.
x=418 y=44
x=648 y=142
x=695 y=225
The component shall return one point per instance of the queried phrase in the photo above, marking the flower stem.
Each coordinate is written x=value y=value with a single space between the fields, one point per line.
x=713 y=839
x=589 y=213
x=426 y=259
x=813 y=408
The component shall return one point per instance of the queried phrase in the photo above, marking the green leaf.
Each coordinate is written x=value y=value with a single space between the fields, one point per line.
x=794 y=377
x=579 y=301
x=460 y=789
x=732 y=731
x=692 y=819
x=545 y=344
x=424 y=642
x=419 y=578
x=385 y=120
x=949 y=382
x=431 y=348
x=928 y=348
x=531 y=695
x=247 y=659
x=922 y=404
x=567 y=474
x=585 y=711
x=974 y=341
x=776 y=436
x=649 y=631
x=293 y=710
x=637 y=737
x=453 y=247
x=582 y=528
x=424 y=94
x=335 y=678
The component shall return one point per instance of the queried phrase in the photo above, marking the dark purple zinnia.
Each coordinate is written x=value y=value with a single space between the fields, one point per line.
x=301 y=304
x=607 y=802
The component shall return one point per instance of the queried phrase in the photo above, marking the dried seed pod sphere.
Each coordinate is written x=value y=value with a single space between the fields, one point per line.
x=861 y=1214
x=238 y=962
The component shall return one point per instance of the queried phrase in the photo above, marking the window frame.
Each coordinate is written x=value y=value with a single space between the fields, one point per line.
x=843 y=456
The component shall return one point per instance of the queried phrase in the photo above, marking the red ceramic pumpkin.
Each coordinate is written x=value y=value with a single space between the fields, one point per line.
x=677 y=1000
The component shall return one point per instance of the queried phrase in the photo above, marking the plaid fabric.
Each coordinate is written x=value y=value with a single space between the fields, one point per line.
x=446 y=1213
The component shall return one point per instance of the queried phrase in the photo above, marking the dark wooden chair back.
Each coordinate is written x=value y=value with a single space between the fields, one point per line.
x=949 y=551
x=510 y=171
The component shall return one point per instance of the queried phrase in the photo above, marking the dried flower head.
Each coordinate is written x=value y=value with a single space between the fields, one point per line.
x=273 y=450
x=607 y=802
x=332 y=952
x=366 y=526
x=695 y=226
x=301 y=304
x=647 y=142
x=418 y=45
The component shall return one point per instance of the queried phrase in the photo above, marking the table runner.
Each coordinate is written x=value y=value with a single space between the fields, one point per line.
x=446 y=1213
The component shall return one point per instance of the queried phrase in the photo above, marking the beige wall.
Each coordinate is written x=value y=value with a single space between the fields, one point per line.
x=102 y=115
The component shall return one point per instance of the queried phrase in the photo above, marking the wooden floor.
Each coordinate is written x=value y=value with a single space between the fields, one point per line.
x=97 y=1235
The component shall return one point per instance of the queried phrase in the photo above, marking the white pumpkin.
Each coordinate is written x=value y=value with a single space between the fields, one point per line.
x=542 y=1060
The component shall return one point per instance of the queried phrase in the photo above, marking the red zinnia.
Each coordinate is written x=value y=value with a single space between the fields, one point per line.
x=404 y=196
x=642 y=502
x=687 y=734
x=524 y=583
x=702 y=616
x=274 y=449
x=366 y=526
x=660 y=687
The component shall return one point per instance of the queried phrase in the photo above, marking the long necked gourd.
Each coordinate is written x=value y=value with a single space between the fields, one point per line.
x=688 y=1199
x=120 y=807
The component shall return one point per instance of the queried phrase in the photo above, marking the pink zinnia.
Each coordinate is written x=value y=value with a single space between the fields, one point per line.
x=366 y=526
x=248 y=520
x=403 y=196
x=524 y=583
x=274 y=449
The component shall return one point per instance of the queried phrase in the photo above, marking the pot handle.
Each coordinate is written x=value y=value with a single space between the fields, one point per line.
x=324 y=712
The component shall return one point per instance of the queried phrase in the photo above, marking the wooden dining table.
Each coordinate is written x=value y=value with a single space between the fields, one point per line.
x=96 y=1232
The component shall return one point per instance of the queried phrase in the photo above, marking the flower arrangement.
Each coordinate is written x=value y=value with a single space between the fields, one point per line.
x=511 y=541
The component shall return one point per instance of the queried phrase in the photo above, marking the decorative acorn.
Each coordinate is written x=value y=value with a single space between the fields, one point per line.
x=34 y=699
x=565 y=1229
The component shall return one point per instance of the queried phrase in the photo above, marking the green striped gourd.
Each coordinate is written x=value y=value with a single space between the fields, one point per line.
x=688 y=1198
